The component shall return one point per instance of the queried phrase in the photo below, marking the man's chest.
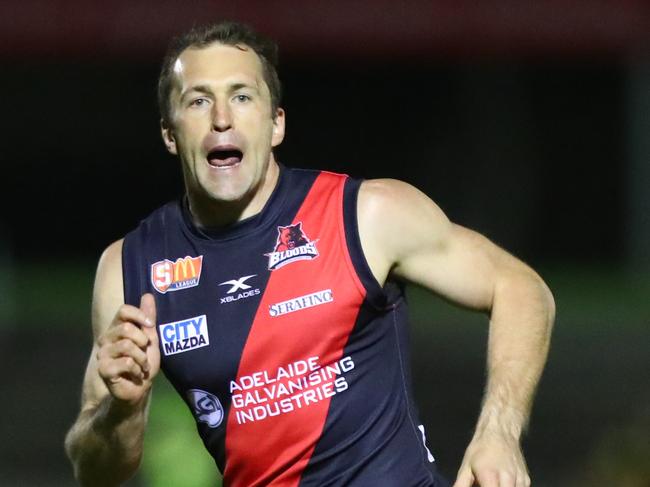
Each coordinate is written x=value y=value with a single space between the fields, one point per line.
x=253 y=306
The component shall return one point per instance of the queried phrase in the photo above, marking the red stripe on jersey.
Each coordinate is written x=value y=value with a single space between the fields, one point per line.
x=279 y=404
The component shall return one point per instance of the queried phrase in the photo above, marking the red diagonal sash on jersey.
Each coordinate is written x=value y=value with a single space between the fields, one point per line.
x=281 y=396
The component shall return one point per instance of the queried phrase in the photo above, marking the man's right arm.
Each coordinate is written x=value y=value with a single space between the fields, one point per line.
x=105 y=442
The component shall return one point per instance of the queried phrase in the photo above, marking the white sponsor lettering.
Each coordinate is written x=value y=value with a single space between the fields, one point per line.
x=301 y=302
x=184 y=335
x=244 y=295
x=265 y=394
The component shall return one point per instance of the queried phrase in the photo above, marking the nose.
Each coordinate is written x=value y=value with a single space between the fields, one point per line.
x=221 y=117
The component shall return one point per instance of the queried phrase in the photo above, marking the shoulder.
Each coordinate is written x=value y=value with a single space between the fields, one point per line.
x=395 y=196
x=108 y=291
x=394 y=210
x=109 y=267
x=397 y=220
x=111 y=255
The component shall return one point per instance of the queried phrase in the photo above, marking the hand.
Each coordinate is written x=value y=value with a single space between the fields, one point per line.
x=128 y=358
x=493 y=460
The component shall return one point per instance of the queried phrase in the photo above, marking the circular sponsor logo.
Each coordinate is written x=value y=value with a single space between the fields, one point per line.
x=206 y=407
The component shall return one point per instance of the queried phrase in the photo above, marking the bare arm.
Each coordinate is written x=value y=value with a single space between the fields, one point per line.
x=422 y=246
x=105 y=442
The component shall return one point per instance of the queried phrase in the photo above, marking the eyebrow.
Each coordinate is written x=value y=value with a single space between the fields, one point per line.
x=239 y=86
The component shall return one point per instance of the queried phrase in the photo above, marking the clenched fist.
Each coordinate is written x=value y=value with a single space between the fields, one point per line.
x=493 y=460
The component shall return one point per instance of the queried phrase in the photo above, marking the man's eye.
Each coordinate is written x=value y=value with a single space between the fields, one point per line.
x=242 y=98
x=199 y=102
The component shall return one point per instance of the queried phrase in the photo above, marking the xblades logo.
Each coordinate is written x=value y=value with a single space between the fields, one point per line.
x=236 y=285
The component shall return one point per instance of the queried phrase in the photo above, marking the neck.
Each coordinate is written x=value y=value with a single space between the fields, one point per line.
x=209 y=213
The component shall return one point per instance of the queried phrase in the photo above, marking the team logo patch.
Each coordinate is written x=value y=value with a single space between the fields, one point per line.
x=174 y=276
x=185 y=335
x=206 y=407
x=292 y=245
x=301 y=302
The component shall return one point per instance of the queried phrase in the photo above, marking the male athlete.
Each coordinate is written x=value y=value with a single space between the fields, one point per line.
x=272 y=299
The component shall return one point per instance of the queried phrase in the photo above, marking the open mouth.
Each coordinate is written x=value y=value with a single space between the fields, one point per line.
x=224 y=157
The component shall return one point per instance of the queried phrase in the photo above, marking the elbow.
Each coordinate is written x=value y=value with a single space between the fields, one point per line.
x=70 y=448
x=94 y=466
x=74 y=453
x=113 y=476
x=95 y=478
x=526 y=286
x=543 y=304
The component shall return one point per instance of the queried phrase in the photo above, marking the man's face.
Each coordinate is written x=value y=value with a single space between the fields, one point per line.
x=221 y=123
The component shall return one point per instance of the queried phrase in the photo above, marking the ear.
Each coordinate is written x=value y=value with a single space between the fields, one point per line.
x=168 y=137
x=278 y=128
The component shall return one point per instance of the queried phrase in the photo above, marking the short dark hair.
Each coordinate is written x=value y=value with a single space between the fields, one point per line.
x=231 y=34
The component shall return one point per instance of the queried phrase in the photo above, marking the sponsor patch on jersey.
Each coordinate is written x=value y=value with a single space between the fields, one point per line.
x=185 y=335
x=206 y=407
x=301 y=302
x=239 y=289
x=292 y=245
x=173 y=276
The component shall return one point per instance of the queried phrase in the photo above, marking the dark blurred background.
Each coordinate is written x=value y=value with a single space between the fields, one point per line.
x=527 y=121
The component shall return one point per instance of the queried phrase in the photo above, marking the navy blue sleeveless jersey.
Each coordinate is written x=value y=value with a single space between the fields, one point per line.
x=292 y=358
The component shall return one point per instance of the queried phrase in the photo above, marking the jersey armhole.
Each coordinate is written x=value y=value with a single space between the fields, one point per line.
x=376 y=295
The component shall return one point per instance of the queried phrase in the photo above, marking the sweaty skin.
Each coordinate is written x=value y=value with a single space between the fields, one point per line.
x=220 y=100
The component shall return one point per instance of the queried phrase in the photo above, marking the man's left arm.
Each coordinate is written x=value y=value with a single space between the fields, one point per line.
x=404 y=234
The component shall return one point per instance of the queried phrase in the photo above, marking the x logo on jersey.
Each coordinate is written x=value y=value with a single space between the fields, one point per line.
x=237 y=284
